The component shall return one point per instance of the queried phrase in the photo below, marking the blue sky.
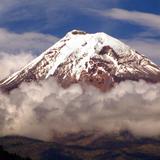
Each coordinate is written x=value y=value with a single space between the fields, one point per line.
x=35 y=25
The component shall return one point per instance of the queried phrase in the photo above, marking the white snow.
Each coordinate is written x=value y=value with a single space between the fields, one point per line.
x=84 y=46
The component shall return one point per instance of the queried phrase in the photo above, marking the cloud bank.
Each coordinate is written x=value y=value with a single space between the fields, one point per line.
x=40 y=110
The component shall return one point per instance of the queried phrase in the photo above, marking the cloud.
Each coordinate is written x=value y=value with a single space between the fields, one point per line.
x=41 y=109
x=29 y=42
x=140 y=18
x=13 y=62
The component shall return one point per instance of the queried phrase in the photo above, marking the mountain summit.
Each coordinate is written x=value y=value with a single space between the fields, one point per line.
x=97 y=59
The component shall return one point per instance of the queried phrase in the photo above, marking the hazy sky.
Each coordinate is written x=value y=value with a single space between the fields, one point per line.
x=27 y=25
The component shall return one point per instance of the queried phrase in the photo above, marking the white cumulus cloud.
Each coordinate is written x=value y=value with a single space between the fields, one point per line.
x=44 y=109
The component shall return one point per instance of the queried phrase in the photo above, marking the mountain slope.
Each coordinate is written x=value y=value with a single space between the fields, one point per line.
x=107 y=147
x=97 y=59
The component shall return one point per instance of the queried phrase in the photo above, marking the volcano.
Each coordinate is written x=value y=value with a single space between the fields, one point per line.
x=79 y=57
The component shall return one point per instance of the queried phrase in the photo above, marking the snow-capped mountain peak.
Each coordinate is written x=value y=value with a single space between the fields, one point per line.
x=98 y=59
